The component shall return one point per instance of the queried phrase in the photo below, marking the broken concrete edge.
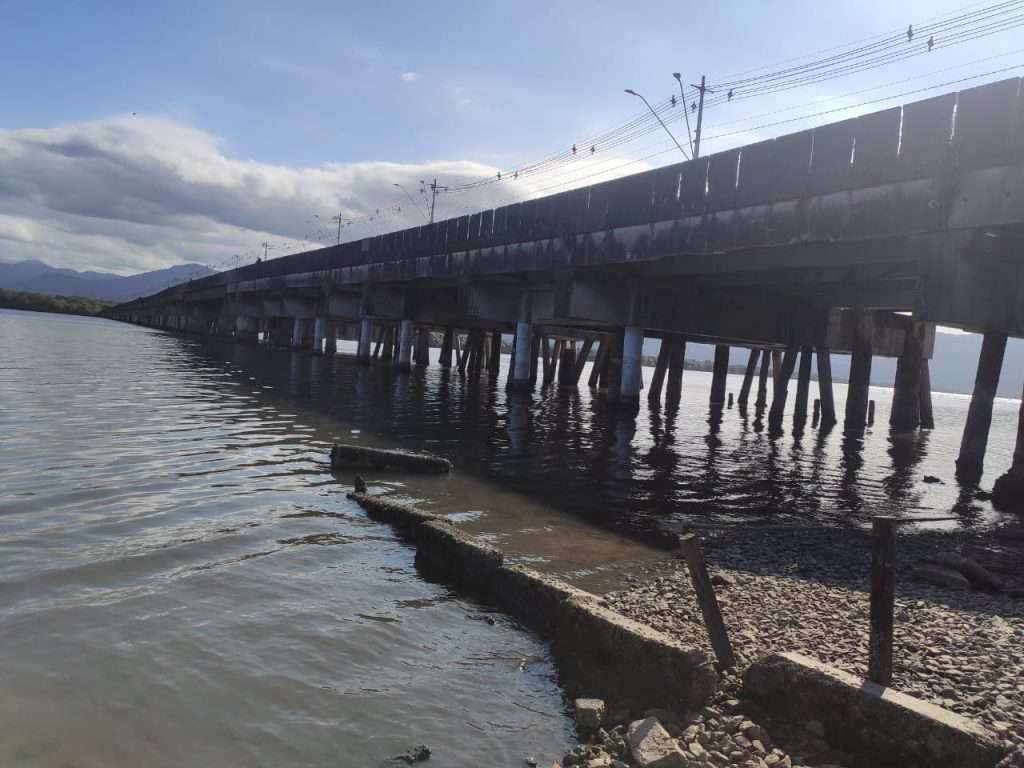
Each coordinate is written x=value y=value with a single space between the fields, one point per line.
x=891 y=728
x=344 y=456
x=602 y=652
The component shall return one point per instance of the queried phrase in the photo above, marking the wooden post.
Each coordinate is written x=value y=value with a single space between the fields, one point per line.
x=828 y=403
x=534 y=355
x=748 y=376
x=707 y=600
x=446 y=347
x=803 y=386
x=782 y=377
x=970 y=463
x=720 y=372
x=494 y=362
x=676 y=361
x=927 y=416
x=883 y=597
x=857 y=394
x=567 y=365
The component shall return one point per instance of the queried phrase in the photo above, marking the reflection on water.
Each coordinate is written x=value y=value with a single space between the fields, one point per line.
x=182 y=582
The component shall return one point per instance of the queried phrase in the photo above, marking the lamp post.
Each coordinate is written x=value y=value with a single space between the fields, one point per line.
x=634 y=93
x=686 y=113
x=411 y=200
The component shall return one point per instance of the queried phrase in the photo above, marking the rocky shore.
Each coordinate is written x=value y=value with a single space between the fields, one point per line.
x=805 y=590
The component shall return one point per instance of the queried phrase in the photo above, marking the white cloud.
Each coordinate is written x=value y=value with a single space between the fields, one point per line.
x=129 y=194
x=410 y=77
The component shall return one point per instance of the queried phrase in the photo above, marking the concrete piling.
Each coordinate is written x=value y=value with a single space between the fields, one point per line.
x=720 y=372
x=567 y=365
x=405 y=331
x=632 y=360
x=521 y=364
x=906 y=396
x=318 y=335
x=363 y=350
x=447 y=345
x=297 y=333
x=971 y=462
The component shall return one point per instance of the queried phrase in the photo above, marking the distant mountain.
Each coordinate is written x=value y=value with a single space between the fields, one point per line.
x=38 y=277
x=952 y=368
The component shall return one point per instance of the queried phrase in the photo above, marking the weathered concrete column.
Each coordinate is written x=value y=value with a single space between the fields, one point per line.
x=970 y=464
x=632 y=375
x=718 y=376
x=782 y=387
x=365 y=332
x=828 y=401
x=318 y=336
x=762 y=380
x=927 y=415
x=748 y=377
x=520 y=379
x=405 y=345
x=1008 y=491
x=860 y=375
x=297 y=333
x=906 y=395
x=803 y=386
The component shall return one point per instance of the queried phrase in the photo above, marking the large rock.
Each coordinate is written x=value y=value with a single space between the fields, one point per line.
x=890 y=728
x=979 y=576
x=589 y=714
x=940 y=576
x=652 y=747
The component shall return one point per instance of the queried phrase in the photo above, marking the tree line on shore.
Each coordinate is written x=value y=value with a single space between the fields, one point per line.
x=62 y=305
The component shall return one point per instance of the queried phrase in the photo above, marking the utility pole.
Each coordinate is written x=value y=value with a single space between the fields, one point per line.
x=434 y=191
x=265 y=246
x=700 y=114
x=338 y=219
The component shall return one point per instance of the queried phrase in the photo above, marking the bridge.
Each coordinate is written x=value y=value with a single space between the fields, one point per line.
x=856 y=238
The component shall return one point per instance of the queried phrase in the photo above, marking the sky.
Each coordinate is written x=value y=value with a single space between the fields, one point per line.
x=138 y=135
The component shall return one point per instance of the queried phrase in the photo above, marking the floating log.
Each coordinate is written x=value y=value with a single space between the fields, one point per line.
x=361 y=457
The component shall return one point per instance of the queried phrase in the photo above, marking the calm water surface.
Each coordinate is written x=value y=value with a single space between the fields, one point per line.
x=182 y=582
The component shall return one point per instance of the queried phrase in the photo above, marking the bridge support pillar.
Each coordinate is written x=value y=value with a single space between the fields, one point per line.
x=1008 y=491
x=906 y=395
x=719 y=374
x=567 y=365
x=828 y=402
x=748 y=377
x=247 y=328
x=781 y=394
x=860 y=376
x=494 y=361
x=803 y=386
x=631 y=380
x=422 y=354
x=447 y=345
x=521 y=365
x=297 y=333
x=676 y=360
x=318 y=336
x=363 y=350
x=762 y=381
x=970 y=464
x=660 y=369
x=331 y=338
x=927 y=416
x=405 y=345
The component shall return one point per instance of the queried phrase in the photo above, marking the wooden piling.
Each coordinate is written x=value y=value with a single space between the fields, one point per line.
x=595 y=372
x=719 y=374
x=762 y=381
x=782 y=387
x=676 y=360
x=581 y=360
x=707 y=601
x=422 y=355
x=970 y=464
x=883 y=597
x=748 y=376
x=803 y=386
x=871 y=413
x=776 y=366
x=494 y=361
x=906 y=394
x=534 y=355
x=447 y=343
x=567 y=365
x=860 y=375
x=828 y=403
x=660 y=369
x=927 y=415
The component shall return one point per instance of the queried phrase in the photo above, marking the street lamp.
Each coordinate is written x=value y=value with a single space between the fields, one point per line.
x=686 y=112
x=411 y=200
x=634 y=93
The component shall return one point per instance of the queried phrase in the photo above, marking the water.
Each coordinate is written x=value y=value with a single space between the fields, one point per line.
x=182 y=582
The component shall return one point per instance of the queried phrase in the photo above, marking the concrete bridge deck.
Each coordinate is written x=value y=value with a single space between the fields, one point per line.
x=856 y=237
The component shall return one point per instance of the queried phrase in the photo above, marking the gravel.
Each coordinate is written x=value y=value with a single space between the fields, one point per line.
x=805 y=590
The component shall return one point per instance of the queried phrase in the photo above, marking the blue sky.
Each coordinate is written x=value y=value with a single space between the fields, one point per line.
x=249 y=118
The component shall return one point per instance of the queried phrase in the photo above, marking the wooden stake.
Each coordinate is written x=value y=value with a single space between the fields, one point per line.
x=883 y=596
x=707 y=600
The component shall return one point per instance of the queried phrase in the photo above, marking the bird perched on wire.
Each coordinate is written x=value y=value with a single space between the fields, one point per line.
x=673 y=100
x=574 y=149
x=931 y=42
x=729 y=95
x=910 y=33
